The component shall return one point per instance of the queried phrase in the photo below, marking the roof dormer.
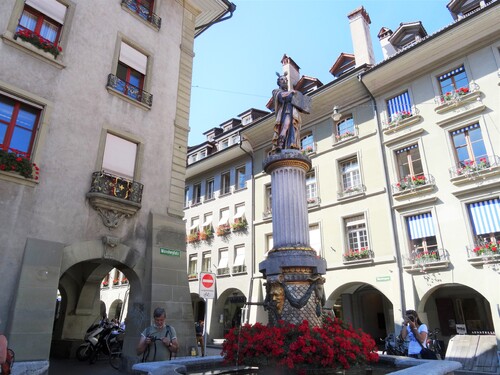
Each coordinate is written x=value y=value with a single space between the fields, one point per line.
x=407 y=34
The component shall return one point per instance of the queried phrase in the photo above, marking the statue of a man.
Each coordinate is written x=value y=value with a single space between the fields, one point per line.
x=288 y=121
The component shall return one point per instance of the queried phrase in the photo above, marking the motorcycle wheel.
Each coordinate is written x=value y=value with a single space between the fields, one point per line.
x=84 y=352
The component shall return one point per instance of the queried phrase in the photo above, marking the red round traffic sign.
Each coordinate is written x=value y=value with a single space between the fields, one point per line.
x=207 y=280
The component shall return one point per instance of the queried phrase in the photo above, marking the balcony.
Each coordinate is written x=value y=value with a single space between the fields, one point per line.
x=456 y=99
x=351 y=191
x=472 y=169
x=114 y=198
x=130 y=91
x=426 y=260
x=239 y=269
x=401 y=120
x=142 y=12
x=413 y=185
x=361 y=256
x=484 y=253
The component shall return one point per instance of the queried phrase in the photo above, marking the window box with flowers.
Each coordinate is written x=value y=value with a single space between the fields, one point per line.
x=351 y=191
x=207 y=233
x=193 y=237
x=308 y=150
x=239 y=225
x=485 y=252
x=457 y=98
x=105 y=283
x=355 y=255
x=470 y=169
x=116 y=281
x=401 y=120
x=223 y=230
x=193 y=276
x=16 y=163
x=124 y=280
x=38 y=41
x=426 y=260
x=413 y=184
x=344 y=136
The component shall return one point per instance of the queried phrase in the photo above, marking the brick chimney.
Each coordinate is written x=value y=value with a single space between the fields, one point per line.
x=359 y=21
x=387 y=48
x=292 y=70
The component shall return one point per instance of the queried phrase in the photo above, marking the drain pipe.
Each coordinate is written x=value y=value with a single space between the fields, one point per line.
x=389 y=198
x=230 y=8
x=253 y=232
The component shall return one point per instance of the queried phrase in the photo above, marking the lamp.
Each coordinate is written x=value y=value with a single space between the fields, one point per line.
x=336 y=115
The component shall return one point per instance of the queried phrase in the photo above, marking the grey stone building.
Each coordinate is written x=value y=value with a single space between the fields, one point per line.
x=94 y=103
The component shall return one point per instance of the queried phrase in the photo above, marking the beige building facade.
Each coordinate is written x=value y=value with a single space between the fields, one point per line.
x=97 y=180
x=404 y=190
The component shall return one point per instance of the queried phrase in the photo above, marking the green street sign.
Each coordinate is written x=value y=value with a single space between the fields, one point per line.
x=170 y=252
x=383 y=278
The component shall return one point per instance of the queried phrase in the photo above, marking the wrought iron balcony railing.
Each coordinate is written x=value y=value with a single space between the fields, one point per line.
x=431 y=255
x=130 y=90
x=456 y=96
x=143 y=12
x=472 y=168
x=346 y=135
x=412 y=183
x=119 y=187
x=399 y=119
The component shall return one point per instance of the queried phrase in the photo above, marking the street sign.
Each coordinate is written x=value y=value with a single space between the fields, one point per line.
x=170 y=252
x=207 y=285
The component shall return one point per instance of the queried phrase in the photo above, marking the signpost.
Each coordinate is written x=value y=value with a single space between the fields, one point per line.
x=207 y=285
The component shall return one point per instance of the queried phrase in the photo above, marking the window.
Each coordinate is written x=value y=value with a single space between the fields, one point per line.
x=409 y=161
x=186 y=197
x=344 y=128
x=119 y=156
x=197 y=193
x=469 y=145
x=225 y=187
x=194 y=228
x=224 y=144
x=269 y=200
x=453 y=80
x=18 y=126
x=311 y=186
x=209 y=189
x=240 y=178
x=208 y=225
x=315 y=238
x=193 y=265
x=44 y=18
x=224 y=216
x=307 y=143
x=350 y=175
x=223 y=268
x=485 y=219
x=206 y=261
x=399 y=106
x=131 y=72
x=269 y=243
x=239 y=259
x=144 y=8
x=357 y=237
x=422 y=234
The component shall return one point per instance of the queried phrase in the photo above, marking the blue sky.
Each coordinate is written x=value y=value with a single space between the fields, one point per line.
x=236 y=60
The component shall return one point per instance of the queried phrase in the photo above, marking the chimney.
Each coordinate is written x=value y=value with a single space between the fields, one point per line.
x=387 y=48
x=292 y=70
x=359 y=21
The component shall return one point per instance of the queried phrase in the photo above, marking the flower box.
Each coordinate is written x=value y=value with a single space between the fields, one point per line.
x=38 y=41
x=115 y=282
x=239 y=225
x=206 y=234
x=344 y=136
x=193 y=237
x=17 y=162
x=352 y=255
x=488 y=248
x=410 y=183
x=223 y=230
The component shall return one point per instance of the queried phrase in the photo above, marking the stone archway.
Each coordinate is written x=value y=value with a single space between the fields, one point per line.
x=76 y=271
x=226 y=312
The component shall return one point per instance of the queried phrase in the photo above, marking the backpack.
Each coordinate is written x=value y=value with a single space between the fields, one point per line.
x=9 y=362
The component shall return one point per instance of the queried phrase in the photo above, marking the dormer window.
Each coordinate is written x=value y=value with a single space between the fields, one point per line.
x=224 y=144
x=246 y=120
x=407 y=34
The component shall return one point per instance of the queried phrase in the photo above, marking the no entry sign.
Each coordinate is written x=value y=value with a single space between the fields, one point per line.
x=207 y=285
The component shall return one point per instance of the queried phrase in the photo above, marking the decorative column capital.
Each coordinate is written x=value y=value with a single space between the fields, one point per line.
x=286 y=158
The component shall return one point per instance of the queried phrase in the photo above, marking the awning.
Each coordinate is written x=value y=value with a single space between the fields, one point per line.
x=240 y=257
x=194 y=224
x=208 y=221
x=485 y=216
x=133 y=58
x=223 y=259
x=224 y=218
x=240 y=212
x=51 y=8
x=421 y=226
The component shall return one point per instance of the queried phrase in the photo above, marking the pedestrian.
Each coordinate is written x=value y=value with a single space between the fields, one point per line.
x=416 y=331
x=200 y=340
x=158 y=342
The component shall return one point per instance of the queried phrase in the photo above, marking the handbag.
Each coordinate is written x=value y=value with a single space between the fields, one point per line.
x=426 y=353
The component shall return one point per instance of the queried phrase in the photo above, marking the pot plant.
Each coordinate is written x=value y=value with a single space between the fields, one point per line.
x=17 y=163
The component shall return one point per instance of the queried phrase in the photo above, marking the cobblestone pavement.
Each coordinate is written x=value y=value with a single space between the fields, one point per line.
x=101 y=367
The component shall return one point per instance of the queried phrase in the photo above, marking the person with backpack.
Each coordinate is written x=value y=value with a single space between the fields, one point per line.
x=158 y=342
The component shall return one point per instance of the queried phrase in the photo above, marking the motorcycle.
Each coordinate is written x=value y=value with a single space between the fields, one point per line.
x=91 y=338
x=395 y=345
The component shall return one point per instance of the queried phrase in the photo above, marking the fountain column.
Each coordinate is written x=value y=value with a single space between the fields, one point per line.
x=294 y=285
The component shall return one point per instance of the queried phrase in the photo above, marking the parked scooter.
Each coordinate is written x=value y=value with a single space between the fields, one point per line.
x=85 y=350
x=395 y=345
